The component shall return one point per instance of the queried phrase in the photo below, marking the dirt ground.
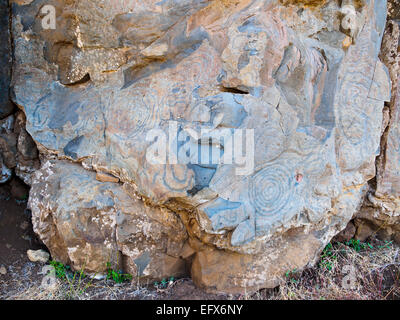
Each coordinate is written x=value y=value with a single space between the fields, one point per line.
x=376 y=268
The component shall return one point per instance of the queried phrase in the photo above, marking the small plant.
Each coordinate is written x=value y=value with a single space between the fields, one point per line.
x=358 y=246
x=60 y=268
x=290 y=276
x=328 y=257
x=387 y=245
x=73 y=279
x=355 y=244
x=77 y=288
x=118 y=277
x=164 y=283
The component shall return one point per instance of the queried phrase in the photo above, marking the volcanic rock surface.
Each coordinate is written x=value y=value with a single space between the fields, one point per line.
x=234 y=138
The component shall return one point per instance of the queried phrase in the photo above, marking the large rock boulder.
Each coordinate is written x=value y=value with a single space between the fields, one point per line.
x=256 y=122
x=380 y=213
x=87 y=223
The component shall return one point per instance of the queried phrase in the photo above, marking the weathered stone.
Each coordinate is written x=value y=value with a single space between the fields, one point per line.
x=27 y=157
x=26 y=146
x=3 y=270
x=17 y=149
x=86 y=223
x=346 y=234
x=5 y=172
x=7 y=124
x=38 y=255
x=302 y=79
x=380 y=213
x=26 y=168
x=393 y=10
x=8 y=149
x=364 y=230
x=8 y=142
x=105 y=177
x=218 y=270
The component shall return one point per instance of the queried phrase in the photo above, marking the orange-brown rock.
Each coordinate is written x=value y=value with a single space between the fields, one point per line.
x=105 y=177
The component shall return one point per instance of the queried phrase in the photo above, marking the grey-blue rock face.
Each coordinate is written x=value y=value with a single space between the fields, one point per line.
x=381 y=209
x=256 y=122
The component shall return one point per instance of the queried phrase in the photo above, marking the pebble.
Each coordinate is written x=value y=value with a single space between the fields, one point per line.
x=38 y=255
x=3 y=270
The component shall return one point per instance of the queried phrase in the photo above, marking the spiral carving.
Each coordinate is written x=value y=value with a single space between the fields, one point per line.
x=134 y=115
x=271 y=190
x=354 y=107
